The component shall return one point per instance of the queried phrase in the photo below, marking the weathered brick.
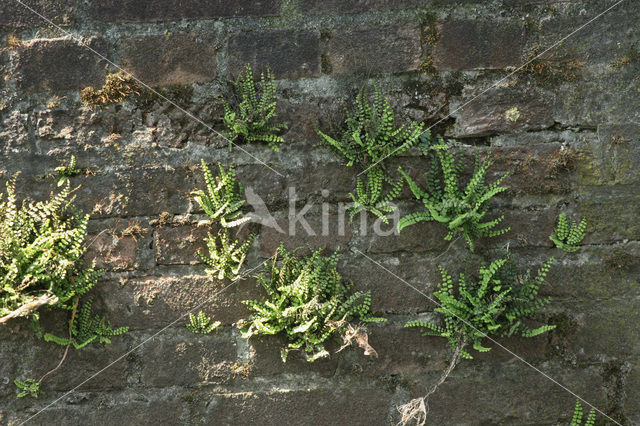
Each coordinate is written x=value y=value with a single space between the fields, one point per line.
x=134 y=408
x=171 y=59
x=388 y=283
x=382 y=49
x=153 y=302
x=59 y=64
x=13 y=14
x=467 y=45
x=268 y=362
x=483 y=112
x=188 y=358
x=162 y=10
x=179 y=245
x=354 y=6
x=289 y=53
x=112 y=252
x=466 y=399
x=421 y=237
x=303 y=407
x=325 y=233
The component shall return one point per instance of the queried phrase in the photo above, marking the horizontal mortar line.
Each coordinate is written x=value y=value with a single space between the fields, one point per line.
x=519 y=358
x=79 y=40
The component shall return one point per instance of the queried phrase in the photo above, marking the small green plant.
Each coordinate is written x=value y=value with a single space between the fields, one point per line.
x=577 y=418
x=461 y=210
x=41 y=249
x=28 y=387
x=494 y=305
x=253 y=119
x=65 y=172
x=371 y=139
x=308 y=301
x=87 y=329
x=369 y=196
x=222 y=202
x=201 y=323
x=567 y=235
x=223 y=198
x=225 y=258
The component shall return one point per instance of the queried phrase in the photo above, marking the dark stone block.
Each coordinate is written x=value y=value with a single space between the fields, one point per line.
x=172 y=59
x=288 y=53
x=60 y=64
x=169 y=10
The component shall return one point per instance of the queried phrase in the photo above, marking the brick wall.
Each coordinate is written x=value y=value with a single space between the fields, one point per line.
x=449 y=63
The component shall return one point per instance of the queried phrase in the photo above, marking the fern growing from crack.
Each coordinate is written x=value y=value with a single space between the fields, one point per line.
x=370 y=139
x=222 y=200
x=252 y=120
x=65 y=172
x=87 y=329
x=369 y=196
x=225 y=258
x=41 y=249
x=567 y=235
x=308 y=301
x=462 y=211
x=494 y=305
x=201 y=323
x=578 y=416
x=28 y=387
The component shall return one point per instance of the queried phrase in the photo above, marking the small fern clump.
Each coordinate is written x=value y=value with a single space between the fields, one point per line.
x=65 y=172
x=445 y=202
x=370 y=139
x=306 y=300
x=495 y=305
x=222 y=202
x=252 y=121
x=578 y=416
x=567 y=235
x=369 y=196
x=225 y=258
x=201 y=323
x=28 y=387
x=41 y=249
x=87 y=329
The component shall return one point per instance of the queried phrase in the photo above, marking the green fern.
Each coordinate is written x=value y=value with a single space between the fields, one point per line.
x=369 y=196
x=369 y=141
x=306 y=300
x=445 y=202
x=87 y=329
x=201 y=323
x=222 y=202
x=29 y=387
x=41 y=249
x=567 y=235
x=253 y=118
x=577 y=418
x=223 y=198
x=65 y=172
x=494 y=305
x=225 y=258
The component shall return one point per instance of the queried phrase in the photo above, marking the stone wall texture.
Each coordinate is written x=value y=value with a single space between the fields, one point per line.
x=450 y=63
